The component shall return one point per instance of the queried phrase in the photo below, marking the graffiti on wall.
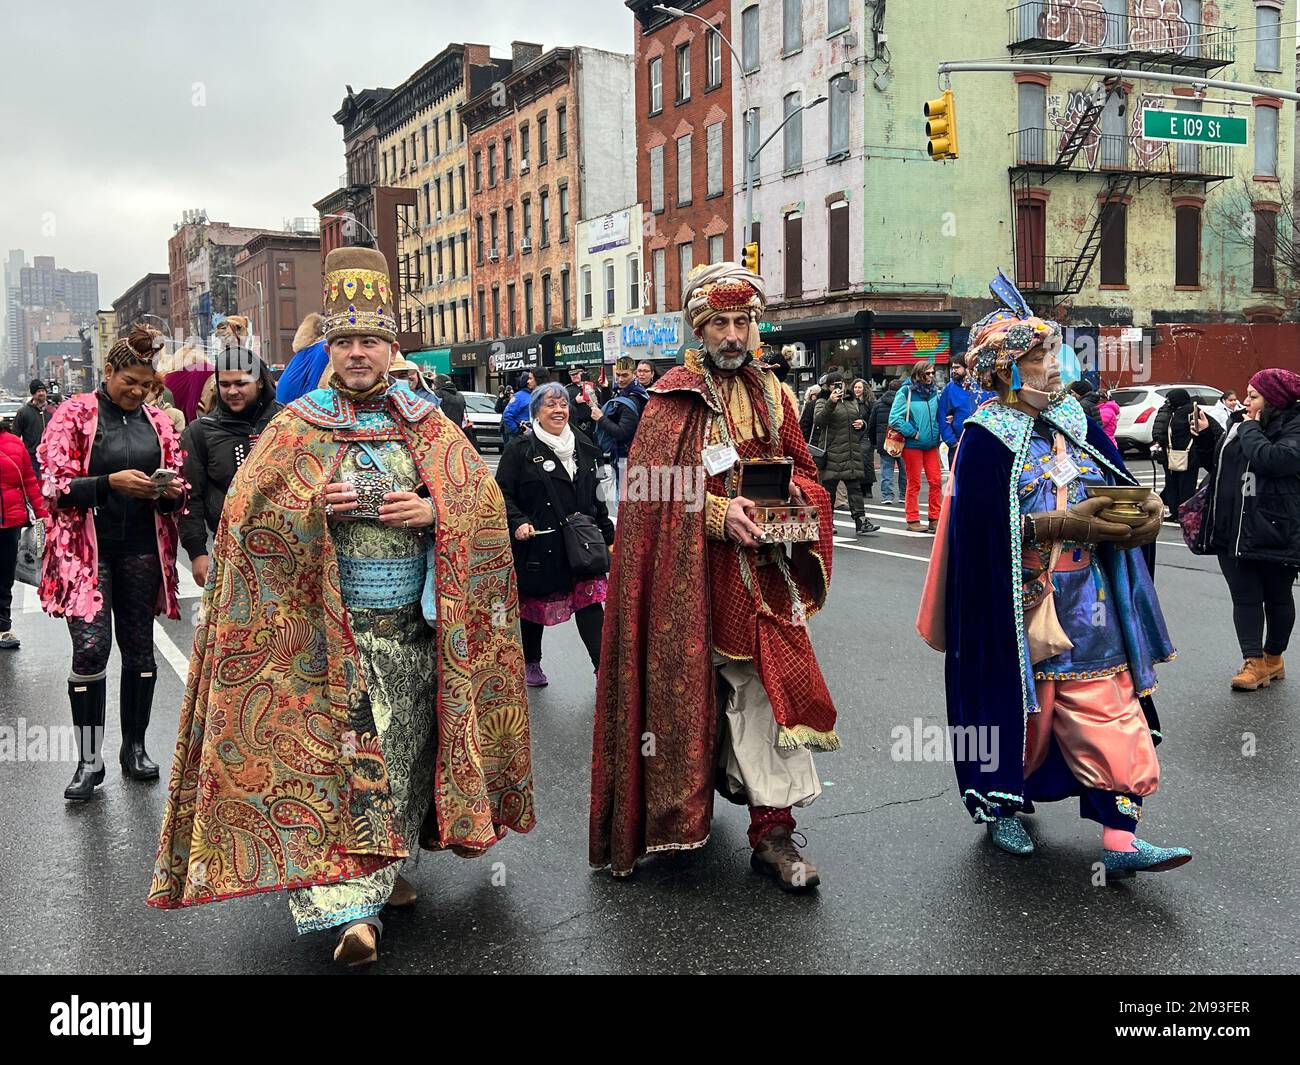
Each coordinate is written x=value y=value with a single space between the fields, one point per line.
x=1129 y=151
x=1074 y=22
x=1153 y=25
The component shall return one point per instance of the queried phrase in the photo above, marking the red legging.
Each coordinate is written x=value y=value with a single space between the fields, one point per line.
x=914 y=459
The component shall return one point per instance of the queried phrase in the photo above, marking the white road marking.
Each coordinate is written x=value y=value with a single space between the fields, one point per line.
x=176 y=658
x=849 y=545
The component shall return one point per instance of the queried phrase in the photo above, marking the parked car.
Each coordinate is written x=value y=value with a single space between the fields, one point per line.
x=484 y=422
x=1138 y=405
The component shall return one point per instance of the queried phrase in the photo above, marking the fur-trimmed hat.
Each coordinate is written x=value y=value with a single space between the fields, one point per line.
x=309 y=332
x=358 y=299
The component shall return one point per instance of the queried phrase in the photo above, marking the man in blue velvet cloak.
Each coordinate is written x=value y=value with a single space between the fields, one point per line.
x=1046 y=610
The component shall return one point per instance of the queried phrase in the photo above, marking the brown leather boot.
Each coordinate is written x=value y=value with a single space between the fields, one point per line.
x=358 y=945
x=1253 y=676
x=404 y=894
x=777 y=856
x=933 y=527
x=915 y=526
x=1275 y=666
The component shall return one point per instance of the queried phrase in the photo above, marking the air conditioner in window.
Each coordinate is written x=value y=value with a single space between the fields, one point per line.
x=438 y=217
x=494 y=256
x=523 y=166
x=525 y=244
x=441 y=279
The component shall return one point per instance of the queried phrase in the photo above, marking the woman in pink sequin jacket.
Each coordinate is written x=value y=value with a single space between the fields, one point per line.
x=111 y=548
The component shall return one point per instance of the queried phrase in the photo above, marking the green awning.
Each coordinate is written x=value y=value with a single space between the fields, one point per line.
x=437 y=359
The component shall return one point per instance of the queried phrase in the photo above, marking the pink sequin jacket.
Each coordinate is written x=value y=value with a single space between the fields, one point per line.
x=70 y=571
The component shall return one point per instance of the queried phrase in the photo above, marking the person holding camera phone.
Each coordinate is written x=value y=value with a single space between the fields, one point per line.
x=549 y=476
x=111 y=473
x=361 y=601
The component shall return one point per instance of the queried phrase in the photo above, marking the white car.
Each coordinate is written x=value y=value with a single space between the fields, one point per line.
x=484 y=421
x=1138 y=405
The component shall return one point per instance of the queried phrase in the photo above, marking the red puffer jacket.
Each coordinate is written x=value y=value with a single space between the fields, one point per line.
x=17 y=481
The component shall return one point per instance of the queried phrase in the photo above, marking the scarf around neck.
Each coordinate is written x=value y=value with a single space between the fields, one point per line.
x=563 y=446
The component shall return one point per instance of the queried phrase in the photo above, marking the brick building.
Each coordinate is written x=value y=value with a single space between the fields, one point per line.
x=146 y=301
x=684 y=154
x=280 y=283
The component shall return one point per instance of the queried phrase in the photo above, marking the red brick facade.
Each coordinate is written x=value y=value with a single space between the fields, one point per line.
x=658 y=37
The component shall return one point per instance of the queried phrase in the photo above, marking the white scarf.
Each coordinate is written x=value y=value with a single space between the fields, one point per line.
x=563 y=446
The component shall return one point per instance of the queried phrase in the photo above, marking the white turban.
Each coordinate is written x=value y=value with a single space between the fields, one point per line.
x=724 y=287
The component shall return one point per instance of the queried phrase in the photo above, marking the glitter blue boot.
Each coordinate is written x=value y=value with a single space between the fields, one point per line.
x=1009 y=834
x=1146 y=859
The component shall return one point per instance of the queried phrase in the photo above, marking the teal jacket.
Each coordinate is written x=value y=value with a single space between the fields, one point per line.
x=916 y=418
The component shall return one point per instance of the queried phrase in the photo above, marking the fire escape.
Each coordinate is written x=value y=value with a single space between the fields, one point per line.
x=1081 y=148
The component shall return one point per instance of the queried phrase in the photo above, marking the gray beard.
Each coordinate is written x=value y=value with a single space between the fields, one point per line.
x=728 y=363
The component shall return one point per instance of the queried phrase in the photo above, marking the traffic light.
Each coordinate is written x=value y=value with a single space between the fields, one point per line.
x=750 y=260
x=941 y=127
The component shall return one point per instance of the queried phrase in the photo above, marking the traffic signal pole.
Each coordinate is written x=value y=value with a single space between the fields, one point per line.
x=1114 y=72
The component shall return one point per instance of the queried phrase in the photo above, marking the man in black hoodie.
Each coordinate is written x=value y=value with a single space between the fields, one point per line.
x=217 y=443
x=453 y=403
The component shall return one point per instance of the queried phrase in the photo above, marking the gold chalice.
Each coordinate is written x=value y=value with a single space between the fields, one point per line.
x=1127 y=506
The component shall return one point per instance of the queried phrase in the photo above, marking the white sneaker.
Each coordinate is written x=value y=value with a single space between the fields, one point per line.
x=8 y=641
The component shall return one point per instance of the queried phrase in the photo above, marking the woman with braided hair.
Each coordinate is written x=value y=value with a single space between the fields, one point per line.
x=111 y=475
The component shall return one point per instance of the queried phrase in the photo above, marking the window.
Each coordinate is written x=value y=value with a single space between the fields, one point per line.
x=455 y=327
x=495 y=246
x=507 y=157
x=683 y=73
x=564 y=298
x=633 y=284
x=424 y=135
x=437 y=149
x=584 y=290
x=464 y=198
x=837 y=246
x=1191 y=13
x=528 y=221
x=1031 y=142
x=839 y=115
x=478 y=171
x=713 y=52
x=437 y=195
x=510 y=310
x=546 y=218
x=793 y=132
x=528 y=305
x=284 y=273
x=546 y=301
x=656 y=86
x=715 y=249
x=1265 y=250
x=492 y=166
x=657 y=178
x=451 y=195
x=683 y=170
x=1187 y=246
x=1187 y=157
x=1114 y=244
x=478 y=237
x=749 y=38
x=496 y=311
x=609 y=286
x=1266 y=141
x=793 y=256
x=1114 y=133
x=1268 y=33
x=713 y=142
x=542 y=146
x=482 y=314
x=428 y=214
x=523 y=145
x=564 y=213
x=661 y=278
x=685 y=262
x=561 y=132
x=441 y=264
x=510 y=230
x=791 y=26
x=837 y=16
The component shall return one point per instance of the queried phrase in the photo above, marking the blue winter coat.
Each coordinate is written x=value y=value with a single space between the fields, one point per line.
x=302 y=375
x=515 y=412
x=916 y=418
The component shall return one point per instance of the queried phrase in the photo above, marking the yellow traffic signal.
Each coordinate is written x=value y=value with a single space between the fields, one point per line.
x=750 y=259
x=941 y=127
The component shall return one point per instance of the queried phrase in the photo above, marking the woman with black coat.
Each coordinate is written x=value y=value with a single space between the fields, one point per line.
x=549 y=465
x=1171 y=431
x=1252 y=517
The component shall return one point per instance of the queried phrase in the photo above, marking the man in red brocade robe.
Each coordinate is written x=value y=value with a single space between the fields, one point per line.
x=707 y=674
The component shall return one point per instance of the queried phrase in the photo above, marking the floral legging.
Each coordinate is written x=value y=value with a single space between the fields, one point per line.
x=129 y=584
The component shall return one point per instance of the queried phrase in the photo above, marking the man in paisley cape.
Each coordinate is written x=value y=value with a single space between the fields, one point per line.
x=707 y=674
x=1045 y=607
x=356 y=685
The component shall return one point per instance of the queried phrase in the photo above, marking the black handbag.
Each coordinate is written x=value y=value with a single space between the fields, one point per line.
x=584 y=543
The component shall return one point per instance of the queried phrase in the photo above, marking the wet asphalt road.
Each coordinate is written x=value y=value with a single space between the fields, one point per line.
x=908 y=883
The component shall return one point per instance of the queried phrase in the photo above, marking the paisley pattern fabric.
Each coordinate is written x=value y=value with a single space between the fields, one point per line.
x=70 y=570
x=279 y=778
x=400 y=676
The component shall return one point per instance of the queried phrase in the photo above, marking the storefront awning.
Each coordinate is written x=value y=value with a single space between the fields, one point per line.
x=518 y=353
x=436 y=359
x=579 y=349
x=468 y=356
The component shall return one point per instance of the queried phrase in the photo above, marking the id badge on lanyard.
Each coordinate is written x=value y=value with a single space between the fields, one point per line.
x=719 y=458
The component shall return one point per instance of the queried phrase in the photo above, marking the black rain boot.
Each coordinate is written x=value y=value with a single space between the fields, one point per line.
x=137 y=702
x=88 y=699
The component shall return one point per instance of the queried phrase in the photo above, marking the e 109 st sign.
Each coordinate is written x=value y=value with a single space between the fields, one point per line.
x=1192 y=127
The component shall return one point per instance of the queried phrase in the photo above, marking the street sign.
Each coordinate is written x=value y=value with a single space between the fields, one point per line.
x=1192 y=127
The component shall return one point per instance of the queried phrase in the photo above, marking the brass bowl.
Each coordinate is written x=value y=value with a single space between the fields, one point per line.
x=1127 y=508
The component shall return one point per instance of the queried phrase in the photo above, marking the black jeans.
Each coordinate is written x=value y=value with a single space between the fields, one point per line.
x=1261 y=591
x=590 y=619
x=8 y=560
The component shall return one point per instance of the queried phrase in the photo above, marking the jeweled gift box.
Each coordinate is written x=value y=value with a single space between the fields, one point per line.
x=767 y=483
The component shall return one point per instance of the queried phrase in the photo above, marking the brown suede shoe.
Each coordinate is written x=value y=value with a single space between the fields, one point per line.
x=777 y=856
x=1254 y=675
x=358 y=945
x=915 y=526
x=1275 y=666
x=403 y=895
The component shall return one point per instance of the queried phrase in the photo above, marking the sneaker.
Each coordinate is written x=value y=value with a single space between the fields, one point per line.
x=8 y=641
x=869 y=526
x=533 y=675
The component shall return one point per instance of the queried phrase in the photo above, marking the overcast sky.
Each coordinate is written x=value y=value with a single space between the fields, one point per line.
x=104 y=147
